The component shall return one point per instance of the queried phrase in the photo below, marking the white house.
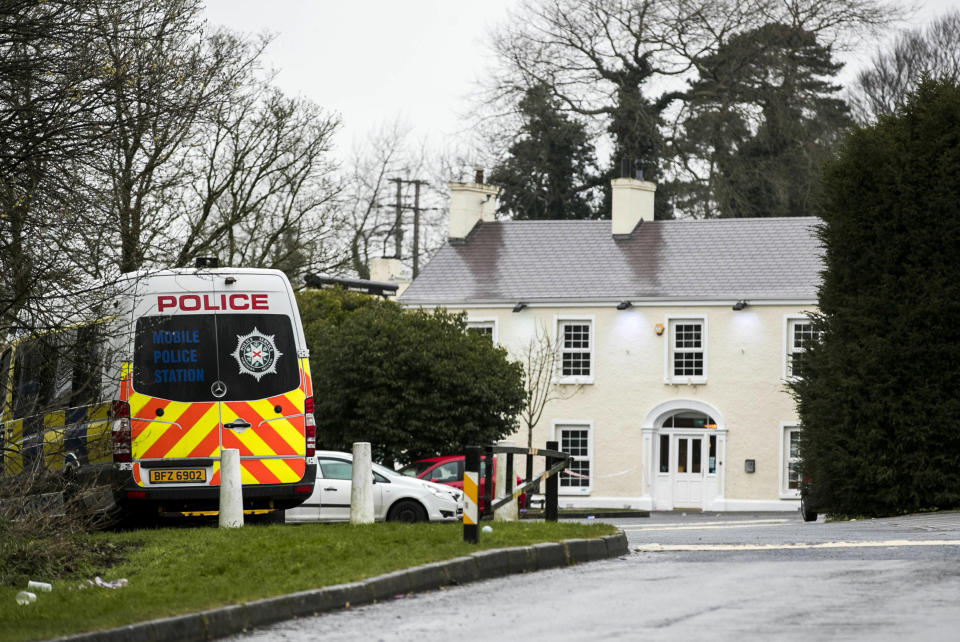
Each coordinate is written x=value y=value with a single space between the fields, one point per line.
x=680 y=334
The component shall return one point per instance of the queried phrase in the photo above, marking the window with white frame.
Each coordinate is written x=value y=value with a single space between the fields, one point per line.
x=485 y=328
x=790 y=481
x=687 y=359
x=800 y=335
x=576 y=350
x=575 y=441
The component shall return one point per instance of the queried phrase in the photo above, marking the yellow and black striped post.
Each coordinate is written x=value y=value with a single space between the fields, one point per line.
x=471 y=487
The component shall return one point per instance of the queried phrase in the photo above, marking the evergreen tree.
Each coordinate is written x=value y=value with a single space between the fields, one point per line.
x=878 y=396
x=549 y=169
x=763 y=118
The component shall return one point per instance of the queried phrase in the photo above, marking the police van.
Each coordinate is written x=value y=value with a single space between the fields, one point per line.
x=189 y=362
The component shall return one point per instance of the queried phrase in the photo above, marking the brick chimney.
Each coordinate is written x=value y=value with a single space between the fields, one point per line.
x=470 y=203
x=632 y=203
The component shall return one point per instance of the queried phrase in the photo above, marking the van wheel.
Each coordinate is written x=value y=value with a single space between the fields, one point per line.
x=807 y=513
x=407 y=510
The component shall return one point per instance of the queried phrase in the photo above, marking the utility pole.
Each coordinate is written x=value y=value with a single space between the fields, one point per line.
x=416 y=227
x=398 y=221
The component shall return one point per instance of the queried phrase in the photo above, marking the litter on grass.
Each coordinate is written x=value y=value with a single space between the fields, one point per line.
x=97 y=581
x=26 y=597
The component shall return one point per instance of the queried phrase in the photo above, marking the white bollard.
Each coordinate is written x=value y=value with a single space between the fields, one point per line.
x=231 y=490
x=361 y=491
x=504 y=486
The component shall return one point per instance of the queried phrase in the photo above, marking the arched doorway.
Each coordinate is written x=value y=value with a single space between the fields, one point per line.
x=684 y=442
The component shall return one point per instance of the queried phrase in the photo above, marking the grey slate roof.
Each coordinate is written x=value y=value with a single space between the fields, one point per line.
x=570 y=261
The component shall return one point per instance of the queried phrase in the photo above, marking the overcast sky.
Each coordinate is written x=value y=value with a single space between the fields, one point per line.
x=376 y=60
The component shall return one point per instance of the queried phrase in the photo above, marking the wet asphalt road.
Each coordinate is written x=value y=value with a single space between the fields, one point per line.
x=750 y=576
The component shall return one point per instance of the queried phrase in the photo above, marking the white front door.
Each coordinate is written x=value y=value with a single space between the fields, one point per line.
x=687 y=463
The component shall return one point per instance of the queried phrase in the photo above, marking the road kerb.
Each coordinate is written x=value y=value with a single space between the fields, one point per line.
x=237 y=618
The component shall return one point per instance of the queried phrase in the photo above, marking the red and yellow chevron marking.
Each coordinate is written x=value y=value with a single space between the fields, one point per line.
x=266 y=471
x=306 y=383
x=186 y=430
x=126 y=369
x=271 y=450
x=270 y=433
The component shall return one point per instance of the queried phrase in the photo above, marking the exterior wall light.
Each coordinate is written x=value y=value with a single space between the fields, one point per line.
x=518 y=307
x=739 y=305
x=658 y=329
x=623 y=305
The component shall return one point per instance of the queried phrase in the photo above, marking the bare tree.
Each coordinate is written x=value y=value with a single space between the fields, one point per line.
x=370 y=197
x=539 y=358
x=165 y=77
x=204 y=156
x=623 y=63
x=262 y=187
x=367 y=195
x=50 y=89
x=933 y=52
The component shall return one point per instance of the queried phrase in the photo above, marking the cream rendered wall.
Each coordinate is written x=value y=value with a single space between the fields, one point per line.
x=745 y=360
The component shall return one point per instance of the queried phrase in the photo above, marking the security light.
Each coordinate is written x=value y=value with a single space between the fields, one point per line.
x=623 y=305
x=739 y=305
x=518 y=307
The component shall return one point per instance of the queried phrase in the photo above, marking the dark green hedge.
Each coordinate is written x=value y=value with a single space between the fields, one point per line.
x=881 y=391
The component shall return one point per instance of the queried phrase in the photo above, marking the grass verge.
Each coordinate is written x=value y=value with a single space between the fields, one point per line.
x=177 y=571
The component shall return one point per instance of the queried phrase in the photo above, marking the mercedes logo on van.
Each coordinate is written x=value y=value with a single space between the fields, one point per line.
x=256 y=354
x=218 y=389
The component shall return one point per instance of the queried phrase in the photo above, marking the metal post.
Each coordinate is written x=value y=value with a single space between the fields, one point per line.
x=488 y=483
x=553 y=486
x=532 y=491
x=471 y=482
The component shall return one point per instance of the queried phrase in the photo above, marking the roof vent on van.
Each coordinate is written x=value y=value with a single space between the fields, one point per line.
x=206 y=262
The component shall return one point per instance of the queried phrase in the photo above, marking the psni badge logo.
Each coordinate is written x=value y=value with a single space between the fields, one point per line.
x=256 y=354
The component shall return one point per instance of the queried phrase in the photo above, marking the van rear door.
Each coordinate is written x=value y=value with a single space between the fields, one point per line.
x=217 y=365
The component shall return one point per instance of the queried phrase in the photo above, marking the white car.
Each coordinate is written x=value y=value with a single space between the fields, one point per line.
x=395 y=498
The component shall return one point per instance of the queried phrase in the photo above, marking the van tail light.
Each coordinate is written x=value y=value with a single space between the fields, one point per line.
x=120 y=410
x=310 y=427
x=122 y=439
